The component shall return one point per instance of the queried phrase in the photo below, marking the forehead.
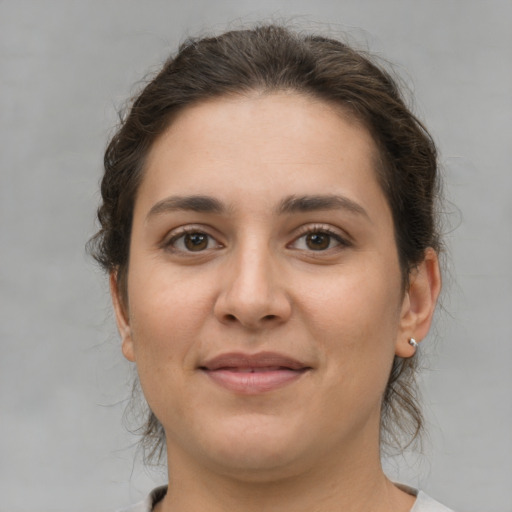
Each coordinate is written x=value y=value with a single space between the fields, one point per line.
x=261 y=145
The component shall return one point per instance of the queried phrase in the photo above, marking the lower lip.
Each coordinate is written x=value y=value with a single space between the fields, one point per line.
x=252 y=383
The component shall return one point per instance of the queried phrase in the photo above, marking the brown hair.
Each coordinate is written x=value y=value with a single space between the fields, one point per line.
x=272 y=58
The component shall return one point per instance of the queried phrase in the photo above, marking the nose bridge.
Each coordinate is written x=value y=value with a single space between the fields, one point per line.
x=253 y=272
x=252 y=293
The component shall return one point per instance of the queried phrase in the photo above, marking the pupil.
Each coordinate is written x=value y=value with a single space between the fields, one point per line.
x=196 y=241
x=318 y=241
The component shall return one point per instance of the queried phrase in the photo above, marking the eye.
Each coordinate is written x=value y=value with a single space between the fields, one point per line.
x=318 y=240
x=192 y=241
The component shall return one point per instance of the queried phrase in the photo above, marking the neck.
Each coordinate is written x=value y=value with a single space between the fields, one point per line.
x=351 y=483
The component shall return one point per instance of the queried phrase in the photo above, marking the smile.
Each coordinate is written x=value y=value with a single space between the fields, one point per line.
x=254 y=374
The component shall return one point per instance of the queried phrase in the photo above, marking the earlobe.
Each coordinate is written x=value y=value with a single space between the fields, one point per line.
x=419 y=304
x=122 y=319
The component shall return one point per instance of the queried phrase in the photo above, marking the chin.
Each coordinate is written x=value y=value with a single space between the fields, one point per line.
x=255 y=449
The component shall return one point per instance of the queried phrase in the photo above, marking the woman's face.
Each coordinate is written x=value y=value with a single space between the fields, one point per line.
x=265 y=303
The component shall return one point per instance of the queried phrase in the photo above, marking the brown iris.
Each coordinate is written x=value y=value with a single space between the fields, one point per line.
x=196 y=241
x=318 y=241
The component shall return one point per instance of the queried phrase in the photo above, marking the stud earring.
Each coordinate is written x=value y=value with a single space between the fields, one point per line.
x=413 y=343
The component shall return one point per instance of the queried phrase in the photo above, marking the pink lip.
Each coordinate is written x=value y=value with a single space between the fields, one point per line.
x=254 y=373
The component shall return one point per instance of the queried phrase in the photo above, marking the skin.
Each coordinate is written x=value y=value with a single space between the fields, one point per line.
x=258 y=283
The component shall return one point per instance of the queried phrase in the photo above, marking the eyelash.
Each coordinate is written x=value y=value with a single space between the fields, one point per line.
x=170 y=243
x=322 y=230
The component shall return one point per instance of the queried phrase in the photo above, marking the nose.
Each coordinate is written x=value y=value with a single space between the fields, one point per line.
x=253 y=293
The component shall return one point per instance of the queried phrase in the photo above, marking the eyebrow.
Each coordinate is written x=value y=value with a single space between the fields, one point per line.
x=201 y=204
x=291 y=204
x=311 y=203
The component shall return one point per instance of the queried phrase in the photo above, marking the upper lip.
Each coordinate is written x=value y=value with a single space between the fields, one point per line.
x=259 y=360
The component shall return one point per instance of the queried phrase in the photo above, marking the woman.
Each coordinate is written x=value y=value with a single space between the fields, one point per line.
x=269 y=227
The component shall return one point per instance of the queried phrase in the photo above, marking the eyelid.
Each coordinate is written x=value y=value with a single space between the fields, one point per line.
x=181 y=231
x=343 y=239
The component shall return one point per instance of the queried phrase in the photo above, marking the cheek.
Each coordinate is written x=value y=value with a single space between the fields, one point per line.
x=362 y=302
x=356 y=319
x=166 y=322
x=166 y=315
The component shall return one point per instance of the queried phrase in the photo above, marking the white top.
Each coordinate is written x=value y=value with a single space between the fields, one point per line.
x=423 y=503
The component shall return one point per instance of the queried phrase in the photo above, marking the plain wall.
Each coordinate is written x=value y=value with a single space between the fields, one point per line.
x=65 y=68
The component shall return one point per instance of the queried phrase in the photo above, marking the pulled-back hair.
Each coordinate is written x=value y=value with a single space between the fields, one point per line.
x=269 y=59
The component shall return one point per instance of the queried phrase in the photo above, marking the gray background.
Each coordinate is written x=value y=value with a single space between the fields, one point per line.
x=65 y=68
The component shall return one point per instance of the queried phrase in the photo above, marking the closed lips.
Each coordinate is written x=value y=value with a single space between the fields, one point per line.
x=254 y=374
x=257 y=369
x=250 y=363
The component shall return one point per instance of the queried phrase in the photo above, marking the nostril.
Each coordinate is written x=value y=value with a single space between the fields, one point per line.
x=233 y=318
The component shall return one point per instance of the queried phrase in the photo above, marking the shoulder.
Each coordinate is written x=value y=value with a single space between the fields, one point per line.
x=151 y=500
x=425 y=503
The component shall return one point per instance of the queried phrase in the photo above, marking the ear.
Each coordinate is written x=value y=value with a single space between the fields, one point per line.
x=122 y=318
x=419 y=303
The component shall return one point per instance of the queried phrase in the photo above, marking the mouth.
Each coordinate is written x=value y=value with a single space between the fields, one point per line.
x=252 y=374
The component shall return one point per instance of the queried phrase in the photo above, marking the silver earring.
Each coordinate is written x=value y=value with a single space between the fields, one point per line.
x=413 y=343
